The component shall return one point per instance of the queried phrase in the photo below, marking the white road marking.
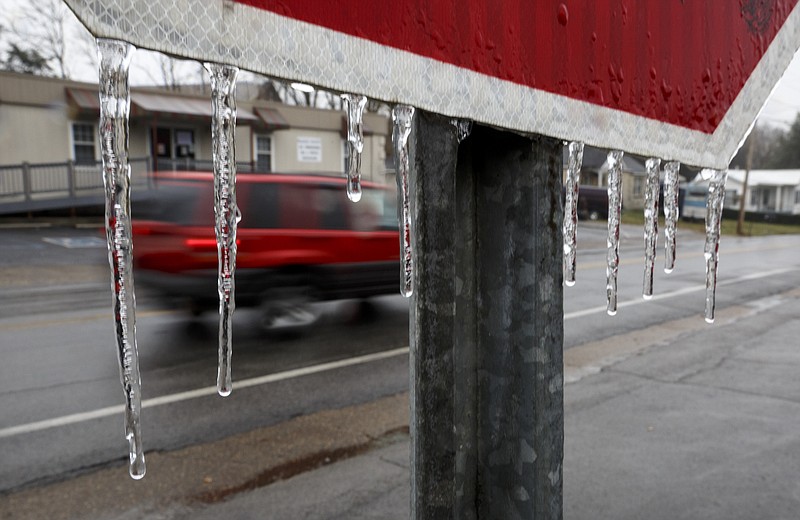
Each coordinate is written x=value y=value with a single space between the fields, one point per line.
x=672 y=294
x=77 y=242
x=323 y=367
x=200 y=392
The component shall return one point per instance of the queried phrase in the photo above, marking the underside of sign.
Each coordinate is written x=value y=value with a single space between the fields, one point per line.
x=676 y=80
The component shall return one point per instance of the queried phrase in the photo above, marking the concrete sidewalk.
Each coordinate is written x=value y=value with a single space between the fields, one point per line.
x=700 y=424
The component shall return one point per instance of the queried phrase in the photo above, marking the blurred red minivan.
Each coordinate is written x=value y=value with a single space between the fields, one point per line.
x=299 y=240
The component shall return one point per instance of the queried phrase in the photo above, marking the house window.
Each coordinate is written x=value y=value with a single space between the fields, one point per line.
x=264 y=153
x=638 y=187
x=345 y=155
x=83 y=143
x=797 y=197
x=184 y=144
x=754 y=198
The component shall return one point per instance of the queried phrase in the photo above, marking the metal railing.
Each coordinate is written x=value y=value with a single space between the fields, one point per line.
x=33 y=186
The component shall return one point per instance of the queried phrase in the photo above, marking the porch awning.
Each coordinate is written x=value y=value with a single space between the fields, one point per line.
x=84 y=99
x=271 y=118
x=147 y=103
x=144 y=103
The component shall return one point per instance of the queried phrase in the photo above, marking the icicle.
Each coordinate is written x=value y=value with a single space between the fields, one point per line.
x=463 y=128
x=570 y=228
x=671 y=170
x=650 y=225
x=716 y=198
x=223 y=128
x=115 y=59
x=614 y=214
x=403 y=115
x=354 y=104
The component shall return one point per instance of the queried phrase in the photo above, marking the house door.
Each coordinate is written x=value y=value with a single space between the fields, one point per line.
x=163 y=148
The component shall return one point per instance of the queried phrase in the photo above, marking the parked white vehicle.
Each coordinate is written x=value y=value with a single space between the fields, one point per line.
x=694 y=202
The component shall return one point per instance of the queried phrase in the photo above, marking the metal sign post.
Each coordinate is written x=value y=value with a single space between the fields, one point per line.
x=487 y=324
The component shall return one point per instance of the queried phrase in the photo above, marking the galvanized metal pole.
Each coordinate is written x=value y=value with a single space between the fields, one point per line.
x=487 y=324
x=432 y=155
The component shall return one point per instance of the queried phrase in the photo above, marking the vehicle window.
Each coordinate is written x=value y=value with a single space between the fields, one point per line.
x=262 y=208
x=297 y=207
x=377 y=210
x=329 y=203
x=389 y=215
x=178 y=203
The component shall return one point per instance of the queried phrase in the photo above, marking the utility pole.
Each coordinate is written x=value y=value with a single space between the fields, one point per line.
x=748 y=165
x=487 y=417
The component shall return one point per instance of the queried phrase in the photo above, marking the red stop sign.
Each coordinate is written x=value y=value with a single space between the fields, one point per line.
x=676 y=79
x=679 y=62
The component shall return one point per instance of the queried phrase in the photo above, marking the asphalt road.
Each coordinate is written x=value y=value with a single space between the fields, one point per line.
x=58 y=376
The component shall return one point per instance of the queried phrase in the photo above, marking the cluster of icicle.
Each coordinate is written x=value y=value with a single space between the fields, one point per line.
x=115 y=57
x=716 y=194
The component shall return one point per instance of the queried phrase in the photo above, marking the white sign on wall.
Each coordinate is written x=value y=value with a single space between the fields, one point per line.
x=309 y=149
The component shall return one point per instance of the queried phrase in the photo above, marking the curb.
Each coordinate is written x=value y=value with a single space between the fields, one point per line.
x=45 y=223
x=212 y=472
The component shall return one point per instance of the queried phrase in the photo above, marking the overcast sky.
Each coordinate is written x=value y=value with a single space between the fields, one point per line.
x=783 y=105
x=780 y=110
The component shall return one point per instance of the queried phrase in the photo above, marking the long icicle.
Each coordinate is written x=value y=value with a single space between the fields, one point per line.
x=671 y=180
x=716 y=198
x=115 y=59
x=354 y=104
x=403 y=115
x=650 y=225
x=614 y=215
x=570 y=228
x=223 y=128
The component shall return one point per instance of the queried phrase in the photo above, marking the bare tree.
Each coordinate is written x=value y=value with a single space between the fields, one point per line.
x=169 y=74
x=332 y=100
x=202 y=76
x=765 y=147
x=272 y=89
x=25 y=61
x=41 y=28
x=85 y=46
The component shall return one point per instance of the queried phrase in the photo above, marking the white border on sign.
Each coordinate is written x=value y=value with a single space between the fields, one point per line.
x=267 y=43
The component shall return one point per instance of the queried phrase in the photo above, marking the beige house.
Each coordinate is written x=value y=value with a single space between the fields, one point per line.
x=47 y=120
x=594 y=172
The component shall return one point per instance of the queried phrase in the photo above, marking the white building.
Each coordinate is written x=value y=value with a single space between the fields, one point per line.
x=768 y=191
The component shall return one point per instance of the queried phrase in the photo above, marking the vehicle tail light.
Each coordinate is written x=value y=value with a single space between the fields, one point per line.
x=203 y=243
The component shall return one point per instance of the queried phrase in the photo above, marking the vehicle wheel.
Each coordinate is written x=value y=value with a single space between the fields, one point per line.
x=594 y=215
x=289 y=310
